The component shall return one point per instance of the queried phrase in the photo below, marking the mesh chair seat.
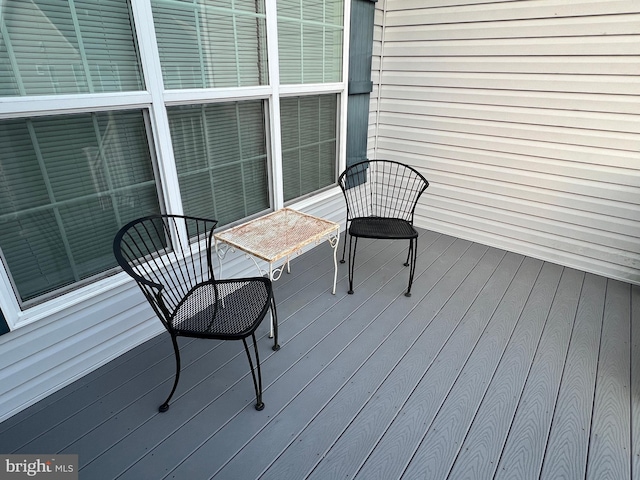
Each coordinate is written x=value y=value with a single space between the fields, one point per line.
x=224 y=310
x=384 y=228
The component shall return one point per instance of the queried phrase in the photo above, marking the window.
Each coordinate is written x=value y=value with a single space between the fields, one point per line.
x=52 y=47
x=308 y=143
x=221 y=158
x=310 y=40
x=66 y=185
x=115 y=109
x=205 y=43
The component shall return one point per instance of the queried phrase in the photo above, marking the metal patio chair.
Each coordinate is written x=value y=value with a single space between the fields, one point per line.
x=170 y=258
x=381 y=197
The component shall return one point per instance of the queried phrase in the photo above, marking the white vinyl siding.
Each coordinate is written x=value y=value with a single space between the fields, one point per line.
x=525 y=118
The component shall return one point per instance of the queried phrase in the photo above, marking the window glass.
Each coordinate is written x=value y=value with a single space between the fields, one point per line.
x=221 y=158
x=51 y=47
x=67 y=184
x=310 y=40
x=309 y=126
x=211 y=43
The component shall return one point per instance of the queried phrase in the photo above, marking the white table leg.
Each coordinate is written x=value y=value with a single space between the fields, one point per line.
x=334 y=241
x=271 y=321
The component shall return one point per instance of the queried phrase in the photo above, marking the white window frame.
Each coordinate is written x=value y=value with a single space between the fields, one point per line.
x=156 y=100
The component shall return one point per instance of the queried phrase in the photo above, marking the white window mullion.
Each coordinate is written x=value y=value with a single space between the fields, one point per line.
x=342 y=134
x=46 y=105
x=274 y=107
x=150 y=61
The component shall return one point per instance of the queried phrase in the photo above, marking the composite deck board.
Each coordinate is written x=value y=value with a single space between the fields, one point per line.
x=635 y=381
x=609 y=446
x=566 y=454
x=523 y=452
x=498 y=366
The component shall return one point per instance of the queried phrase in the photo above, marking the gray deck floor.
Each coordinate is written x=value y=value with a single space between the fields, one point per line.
x=499 y=366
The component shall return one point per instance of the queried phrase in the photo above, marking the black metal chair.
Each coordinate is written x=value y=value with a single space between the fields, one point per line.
x=381 y=198
x=170 y=258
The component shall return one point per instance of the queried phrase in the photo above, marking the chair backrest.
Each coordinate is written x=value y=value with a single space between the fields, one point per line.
x=381 y=188
x=167 y=255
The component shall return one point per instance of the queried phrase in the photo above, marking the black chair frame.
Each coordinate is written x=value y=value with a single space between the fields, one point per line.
x=170 y=258
x=381 y=198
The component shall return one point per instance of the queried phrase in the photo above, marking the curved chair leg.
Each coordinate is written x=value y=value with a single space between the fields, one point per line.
x=165 y=406
x=413 y=249
x=257 y=381
x=352 y=261
x=274 y=317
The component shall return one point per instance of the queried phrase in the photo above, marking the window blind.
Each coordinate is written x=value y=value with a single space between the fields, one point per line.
x=67 y=184
x=310 y=41
x=309 y=126
x=50 y=47
x=221 y=158
x=206 y=43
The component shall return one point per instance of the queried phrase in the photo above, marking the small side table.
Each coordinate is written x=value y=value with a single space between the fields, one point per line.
x=276 y=237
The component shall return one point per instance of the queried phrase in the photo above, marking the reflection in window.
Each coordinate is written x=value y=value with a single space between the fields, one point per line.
x=309 y=126
x=211 y=43
x=221 y=158
x=67 y=184
x=310 y=40
x=52 y=47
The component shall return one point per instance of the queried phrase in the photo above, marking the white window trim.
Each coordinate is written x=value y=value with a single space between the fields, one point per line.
x=16 y=107
x=156 y=100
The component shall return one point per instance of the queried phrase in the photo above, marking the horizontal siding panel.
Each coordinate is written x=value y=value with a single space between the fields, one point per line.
x=416 y=4
x=571 y=153
x=518 y=131
x=613 y=45
x=580 y=226
x=376 y=62
x=551 y=65
x=508 y=11
x=575 y=102
x=532 y=116
x=567 y=27
x=450 y=156
x=599 y=84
